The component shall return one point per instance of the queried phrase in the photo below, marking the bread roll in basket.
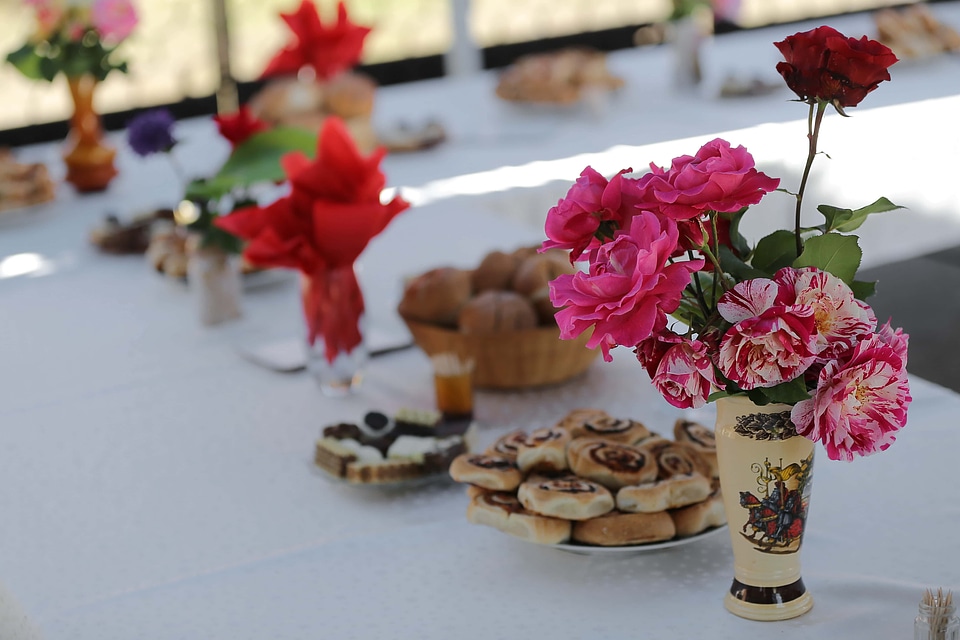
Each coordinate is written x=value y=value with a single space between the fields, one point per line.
x=513 y=344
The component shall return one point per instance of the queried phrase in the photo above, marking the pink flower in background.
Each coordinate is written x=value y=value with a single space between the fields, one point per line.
x=718 y=178
x=592 y=200
x=728 y=10
x=859 y=404
x=841 y=319
x=685 y=375
x=114 y=19
x=629 y=289
x=769 y=349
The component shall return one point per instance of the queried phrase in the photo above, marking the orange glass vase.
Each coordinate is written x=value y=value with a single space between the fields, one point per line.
x=88 y=158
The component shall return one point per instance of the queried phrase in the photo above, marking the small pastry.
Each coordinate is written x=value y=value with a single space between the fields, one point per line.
x=383 y=471
x=495 y=272
x=544 y=449
x=671 y=493
x=416 y=422
x=342 y=431
x=412 y=448
x=701 y=439
x=620 y=529
x=503 y=511
x=677 y=459
x=364 y=453
x=532 y=280
x=333 y=457
x=612 y=464
x=700 y=516
x=490 y=472
x=567 y=497
x=610 y=428
x=574 y=421
x=436 y=296
x=495 y=311
x=507 y=446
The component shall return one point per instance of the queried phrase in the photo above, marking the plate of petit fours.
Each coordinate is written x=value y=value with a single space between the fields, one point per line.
x=595 y=483
x=411 y=447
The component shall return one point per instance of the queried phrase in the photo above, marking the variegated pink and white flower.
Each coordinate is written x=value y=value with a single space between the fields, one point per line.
x=841 y=319
x=685 y=375
x=748 y=299
x=860 y=402
x=769 y=349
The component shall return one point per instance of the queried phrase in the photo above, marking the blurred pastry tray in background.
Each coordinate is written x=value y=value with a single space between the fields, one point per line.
x=559 y=77
x=914 y=33
x=411 y=446
x=23 y=184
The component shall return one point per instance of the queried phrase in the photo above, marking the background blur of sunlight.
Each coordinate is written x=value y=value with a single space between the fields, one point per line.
x=172 y=53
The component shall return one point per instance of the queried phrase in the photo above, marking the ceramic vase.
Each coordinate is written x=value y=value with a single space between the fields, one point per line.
x=88 y=158
x=333 y=309
x=766 y=473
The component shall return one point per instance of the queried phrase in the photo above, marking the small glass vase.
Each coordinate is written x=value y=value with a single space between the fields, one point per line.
x=333 y=309
x=766 y=473
x=214 y=277
x=88 y=158
x=937 y=620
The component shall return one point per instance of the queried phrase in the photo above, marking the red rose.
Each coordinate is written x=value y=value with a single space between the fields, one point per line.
x=823 y=64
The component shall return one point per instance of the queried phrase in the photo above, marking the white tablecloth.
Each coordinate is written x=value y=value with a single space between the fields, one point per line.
x=156 y=485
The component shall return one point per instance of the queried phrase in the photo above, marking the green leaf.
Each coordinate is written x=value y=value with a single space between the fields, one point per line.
x=862 y=289
x=787 y=393
x=27 y=62
x=850 y=219
x=257 y=159
x=737 y=240
x=775 y=251
x=212 y=189
x=736 y=267
x=833 y=253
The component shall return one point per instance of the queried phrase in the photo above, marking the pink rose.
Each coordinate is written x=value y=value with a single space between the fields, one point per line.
x=114 y=19
x=592 y=200
x=769 y=349
x=629 y=289
x=686 y=375
x=718 y=178
x=859 y=404
x=841 y=319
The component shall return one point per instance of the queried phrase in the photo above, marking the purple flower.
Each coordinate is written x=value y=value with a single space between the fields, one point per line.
x=151 y=132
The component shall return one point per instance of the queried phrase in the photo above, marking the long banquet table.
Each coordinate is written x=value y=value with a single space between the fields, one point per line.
x=156 y=485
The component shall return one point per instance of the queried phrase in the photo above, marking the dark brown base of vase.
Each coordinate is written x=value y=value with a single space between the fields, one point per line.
x=768 y=603
x=90 y=179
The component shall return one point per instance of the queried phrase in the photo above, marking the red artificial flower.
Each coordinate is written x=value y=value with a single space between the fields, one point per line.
x=823 y=64
x=239 y=126
x=332 y=212
x=329 y=50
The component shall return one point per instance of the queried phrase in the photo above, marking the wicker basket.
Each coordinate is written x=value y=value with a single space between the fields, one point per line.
x=510 y=360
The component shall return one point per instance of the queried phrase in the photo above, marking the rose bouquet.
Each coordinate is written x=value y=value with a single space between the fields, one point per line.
x=669 y=275
x=75 y=37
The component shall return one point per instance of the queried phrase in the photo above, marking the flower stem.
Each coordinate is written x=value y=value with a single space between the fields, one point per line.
x=813 y=132
x=718 y=271
x=699 y=288
x=716 y=251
